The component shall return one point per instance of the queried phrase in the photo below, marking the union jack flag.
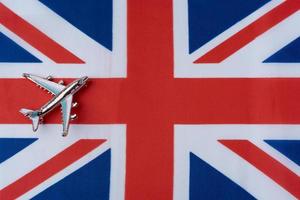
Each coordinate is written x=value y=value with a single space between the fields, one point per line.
x=188 y=99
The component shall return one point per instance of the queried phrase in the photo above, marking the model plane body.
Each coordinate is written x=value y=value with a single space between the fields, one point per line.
x=63 y=96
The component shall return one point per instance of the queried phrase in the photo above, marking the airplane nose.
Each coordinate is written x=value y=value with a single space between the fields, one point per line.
x=25 y=75
x=83 y=79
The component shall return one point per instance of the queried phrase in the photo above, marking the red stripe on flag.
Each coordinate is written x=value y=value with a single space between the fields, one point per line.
x=49 y=168
x=36 y=38
x=266 y=164
x=250 y=32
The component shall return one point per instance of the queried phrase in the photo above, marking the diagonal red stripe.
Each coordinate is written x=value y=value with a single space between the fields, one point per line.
x=49 y=168
x=249 y=33
x=266 y=164
x=36 y=38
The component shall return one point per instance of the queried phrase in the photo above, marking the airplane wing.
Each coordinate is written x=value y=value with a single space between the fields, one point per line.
x=66 y=106
x=52 y=87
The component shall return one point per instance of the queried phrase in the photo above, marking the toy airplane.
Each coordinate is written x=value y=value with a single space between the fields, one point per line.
x=63 y=96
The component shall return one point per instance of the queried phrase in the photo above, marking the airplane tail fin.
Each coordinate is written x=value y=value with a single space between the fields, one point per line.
x=33 y=115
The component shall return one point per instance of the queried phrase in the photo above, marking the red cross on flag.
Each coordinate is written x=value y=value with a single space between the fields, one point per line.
x=187 y=99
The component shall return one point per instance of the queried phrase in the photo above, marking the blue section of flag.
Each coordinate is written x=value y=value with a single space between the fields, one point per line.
x=209 y=18
x=11 y=146
x=12 y=52
x=290 y=148
x=288 y=54
x=90 y=182
x=93 y=17
x=208 y=183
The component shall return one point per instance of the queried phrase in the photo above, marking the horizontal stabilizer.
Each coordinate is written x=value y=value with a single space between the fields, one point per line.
x=33 y=115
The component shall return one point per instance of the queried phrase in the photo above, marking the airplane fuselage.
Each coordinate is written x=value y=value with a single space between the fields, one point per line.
x=71 y=89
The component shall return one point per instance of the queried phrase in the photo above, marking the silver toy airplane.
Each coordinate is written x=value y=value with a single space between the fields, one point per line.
x=63 y=95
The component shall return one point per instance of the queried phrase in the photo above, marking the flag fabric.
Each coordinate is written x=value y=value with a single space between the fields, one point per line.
x=187 y=99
